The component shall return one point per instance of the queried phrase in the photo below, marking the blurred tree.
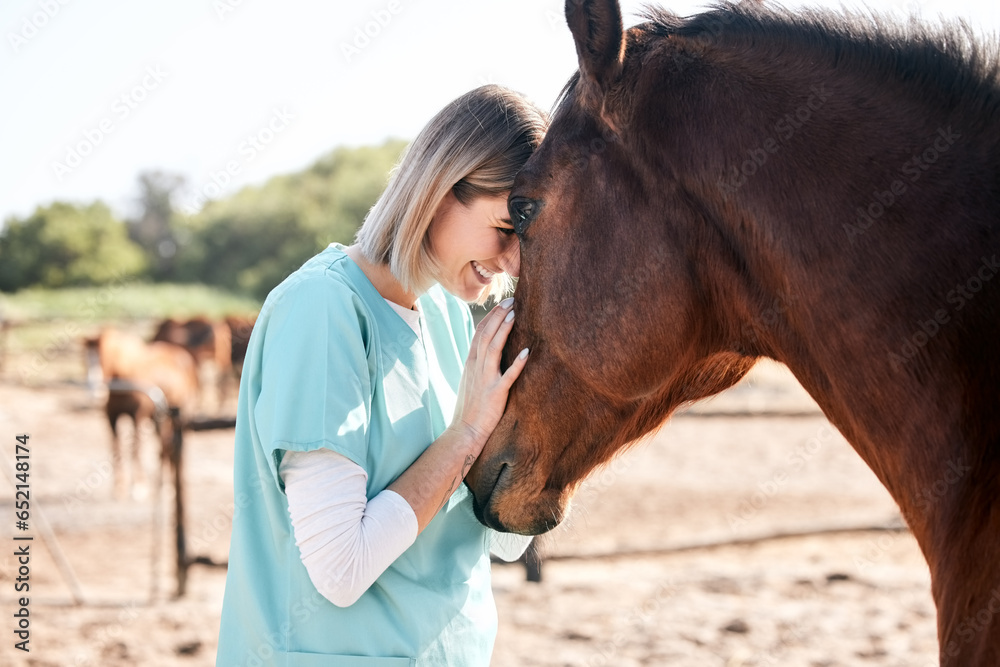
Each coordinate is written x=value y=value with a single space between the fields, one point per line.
x=252 y=240
x=247 y=242
x=153 y=230
x=63 y=244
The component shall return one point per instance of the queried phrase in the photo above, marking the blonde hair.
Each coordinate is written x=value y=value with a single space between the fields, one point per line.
x=473 y=147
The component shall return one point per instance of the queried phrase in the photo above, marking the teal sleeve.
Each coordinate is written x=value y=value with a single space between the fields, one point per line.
x=315 y=387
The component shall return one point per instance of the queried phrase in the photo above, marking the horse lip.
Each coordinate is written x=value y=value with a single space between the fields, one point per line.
x=498 y=461
x=486 y=516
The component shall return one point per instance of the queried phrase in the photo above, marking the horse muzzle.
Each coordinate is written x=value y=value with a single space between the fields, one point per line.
x=506 y=503
x=483 y=479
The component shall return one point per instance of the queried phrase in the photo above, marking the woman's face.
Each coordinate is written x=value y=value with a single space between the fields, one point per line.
x=472 y=244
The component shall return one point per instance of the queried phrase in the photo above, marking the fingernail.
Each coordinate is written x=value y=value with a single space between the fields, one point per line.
x=523 y=354
x=509 y=317
x=507 y=303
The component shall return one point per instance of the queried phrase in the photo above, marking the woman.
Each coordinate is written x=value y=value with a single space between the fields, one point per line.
x=365 y=398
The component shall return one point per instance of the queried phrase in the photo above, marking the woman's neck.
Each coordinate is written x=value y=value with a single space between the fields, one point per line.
x=383 y=280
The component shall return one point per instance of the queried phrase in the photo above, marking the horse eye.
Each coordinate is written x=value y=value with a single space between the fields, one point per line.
x=522 y=208
x=522 y=212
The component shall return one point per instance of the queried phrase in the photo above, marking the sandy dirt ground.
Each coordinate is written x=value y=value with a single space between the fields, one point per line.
x=673 y=554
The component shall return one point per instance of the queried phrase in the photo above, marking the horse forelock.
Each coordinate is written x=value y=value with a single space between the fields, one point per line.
x=566 y=96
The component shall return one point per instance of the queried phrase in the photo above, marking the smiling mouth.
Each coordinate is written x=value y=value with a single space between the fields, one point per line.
x=485 y=275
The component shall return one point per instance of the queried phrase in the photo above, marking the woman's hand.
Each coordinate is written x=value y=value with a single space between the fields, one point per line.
x=482 y=395
x=438 y=472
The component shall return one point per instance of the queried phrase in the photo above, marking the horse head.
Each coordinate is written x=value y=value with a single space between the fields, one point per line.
x=612 y=356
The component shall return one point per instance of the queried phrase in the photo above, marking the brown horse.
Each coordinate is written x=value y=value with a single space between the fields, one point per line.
x=211 y=345
x=819 y=189
x=144 y=380
x=240 y=328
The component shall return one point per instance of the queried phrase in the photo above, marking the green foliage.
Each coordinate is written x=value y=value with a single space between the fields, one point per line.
x=65 y=245
x=254 y=239
x=153 y=230
x=246 y=243
x=122 y=301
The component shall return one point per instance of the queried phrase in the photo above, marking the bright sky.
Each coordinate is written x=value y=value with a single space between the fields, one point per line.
x=97 y=90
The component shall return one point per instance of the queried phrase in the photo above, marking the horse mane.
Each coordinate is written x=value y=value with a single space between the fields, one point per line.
x=946 y=60
x=566 y=93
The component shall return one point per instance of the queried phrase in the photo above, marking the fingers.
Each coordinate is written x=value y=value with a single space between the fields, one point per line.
x=483 y=389
x=514 y=370
x=495 y=321
x=499 y=311
x=494 y=348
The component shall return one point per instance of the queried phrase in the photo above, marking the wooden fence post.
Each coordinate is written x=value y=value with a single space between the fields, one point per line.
x=177 y=459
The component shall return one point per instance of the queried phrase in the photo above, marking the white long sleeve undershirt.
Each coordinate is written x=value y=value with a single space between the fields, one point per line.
x=346 y=541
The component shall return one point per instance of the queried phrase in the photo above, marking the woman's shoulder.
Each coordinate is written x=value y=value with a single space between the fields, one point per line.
x=324 y=281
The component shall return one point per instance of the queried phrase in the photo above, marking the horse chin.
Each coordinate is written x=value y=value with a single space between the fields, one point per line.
x=509 y=496
x=510 y=513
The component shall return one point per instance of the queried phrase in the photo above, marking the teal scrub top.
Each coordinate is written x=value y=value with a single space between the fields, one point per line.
x=330 y=364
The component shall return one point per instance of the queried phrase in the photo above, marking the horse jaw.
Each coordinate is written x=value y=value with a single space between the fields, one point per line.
x=552 y=438
x=536 y=458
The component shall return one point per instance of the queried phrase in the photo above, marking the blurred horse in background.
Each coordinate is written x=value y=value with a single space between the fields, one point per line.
x=210 y=343
x=144 y=380
x=240 y=329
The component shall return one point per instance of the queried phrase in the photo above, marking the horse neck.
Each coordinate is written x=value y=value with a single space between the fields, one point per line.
x=843 y=313
x=840 y=237
x=868 y=318
x=820 y=213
